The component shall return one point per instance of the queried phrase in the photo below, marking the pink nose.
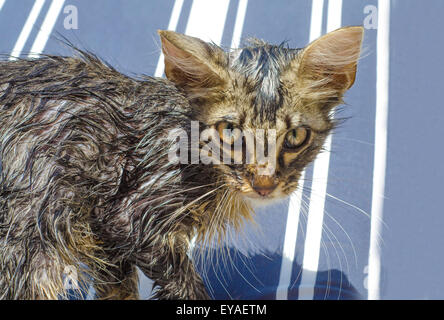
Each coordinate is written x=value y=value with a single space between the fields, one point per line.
x=264 y=191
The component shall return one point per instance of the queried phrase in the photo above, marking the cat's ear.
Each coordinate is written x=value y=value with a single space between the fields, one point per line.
x=191 y=63
x=330 y=62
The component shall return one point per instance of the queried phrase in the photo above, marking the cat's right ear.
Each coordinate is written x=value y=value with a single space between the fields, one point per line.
x=191 y=63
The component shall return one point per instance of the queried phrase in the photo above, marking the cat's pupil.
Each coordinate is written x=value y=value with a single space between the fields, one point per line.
x=296 y=138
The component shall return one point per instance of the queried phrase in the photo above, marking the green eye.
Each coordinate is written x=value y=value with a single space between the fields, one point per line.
x=228 y=132
x=296 y=138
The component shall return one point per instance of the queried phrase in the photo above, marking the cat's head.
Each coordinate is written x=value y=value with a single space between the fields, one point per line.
x=287 y=93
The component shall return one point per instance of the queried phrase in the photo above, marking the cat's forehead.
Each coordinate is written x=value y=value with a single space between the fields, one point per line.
x=261 y=64
x=259 y=51
x=283 y=120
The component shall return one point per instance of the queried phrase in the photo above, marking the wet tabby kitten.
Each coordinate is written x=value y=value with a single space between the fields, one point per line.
x=86 y=176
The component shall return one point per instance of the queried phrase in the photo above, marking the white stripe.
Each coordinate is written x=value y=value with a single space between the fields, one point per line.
x=308 y=280
x=319 y=189
x=207 y=19
x=291 y=234
x=172 y=25
x=46 y=29
x=2 y=2
x=314 y=224
x=316 y=19
x=382 y=103
x=334 y=20
x=239 y=24
x=23 y=37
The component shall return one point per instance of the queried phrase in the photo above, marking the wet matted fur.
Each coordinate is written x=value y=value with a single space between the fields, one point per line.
x=86 y=181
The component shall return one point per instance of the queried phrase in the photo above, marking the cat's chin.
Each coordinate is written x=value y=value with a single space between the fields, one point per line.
x=257 y=201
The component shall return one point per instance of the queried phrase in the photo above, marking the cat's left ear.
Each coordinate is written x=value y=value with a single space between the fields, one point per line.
x=191 y=63
x=330 y=62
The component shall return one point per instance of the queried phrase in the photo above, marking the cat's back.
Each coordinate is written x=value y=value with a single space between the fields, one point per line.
x=60 y=113
x=52 y=90
x=76 y=78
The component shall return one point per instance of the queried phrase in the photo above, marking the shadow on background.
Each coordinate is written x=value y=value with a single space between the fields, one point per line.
x=231 y=274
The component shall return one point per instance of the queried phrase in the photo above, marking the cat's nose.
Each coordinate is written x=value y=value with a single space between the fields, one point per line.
x=264 y=191
x=264 y=185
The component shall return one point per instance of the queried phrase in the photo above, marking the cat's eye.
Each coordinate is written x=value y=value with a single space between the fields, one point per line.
x=228 y=132
x=296 y=138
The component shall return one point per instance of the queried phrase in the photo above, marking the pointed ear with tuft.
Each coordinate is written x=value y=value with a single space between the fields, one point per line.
x=330 y=62
x=191 y=63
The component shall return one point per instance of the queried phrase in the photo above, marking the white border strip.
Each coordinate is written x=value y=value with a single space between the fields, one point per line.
x=172 y=25
x=380 y=156
x=319 y=188
x=46 y=29
x=23 y=37
x=2 y=2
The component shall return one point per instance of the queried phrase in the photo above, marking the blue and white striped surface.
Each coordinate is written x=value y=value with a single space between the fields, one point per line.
x=369 y=221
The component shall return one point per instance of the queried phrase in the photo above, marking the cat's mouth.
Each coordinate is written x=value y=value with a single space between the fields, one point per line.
x=258 y=193
x=263 y=194
x=254 y=196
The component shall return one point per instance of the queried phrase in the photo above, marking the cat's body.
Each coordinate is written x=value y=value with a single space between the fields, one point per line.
x=86 y=179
